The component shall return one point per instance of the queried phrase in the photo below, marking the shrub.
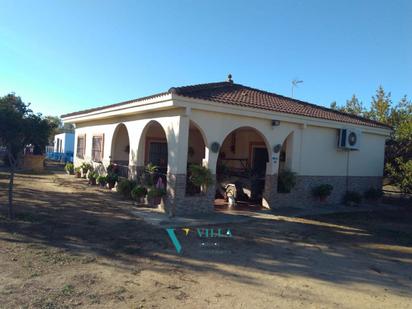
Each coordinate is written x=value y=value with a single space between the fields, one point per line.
x=352 y=197
x=155 y=192
x=322 y=191
x=101 y=180
x=111 y=179
x=372 y=194
x=400 y=172
x=200 y=176
x=138 y=192
x=286 y=181
x=86 y=167
x=92 y=177
x=125 y=186
x=69 y=168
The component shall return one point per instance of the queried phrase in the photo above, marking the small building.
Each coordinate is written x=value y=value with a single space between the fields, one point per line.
x=64 y=143
x=233 y=129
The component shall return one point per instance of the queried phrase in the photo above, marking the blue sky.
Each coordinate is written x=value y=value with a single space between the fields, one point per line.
x=64 y=56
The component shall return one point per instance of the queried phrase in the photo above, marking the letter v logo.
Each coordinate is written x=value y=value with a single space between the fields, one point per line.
x=174 y=240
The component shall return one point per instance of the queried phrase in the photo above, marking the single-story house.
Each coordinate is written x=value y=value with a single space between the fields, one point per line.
x=227 y=126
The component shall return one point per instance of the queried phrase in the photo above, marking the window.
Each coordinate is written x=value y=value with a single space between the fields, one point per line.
x=158 y=153
x=97 y=148
x=81 y=146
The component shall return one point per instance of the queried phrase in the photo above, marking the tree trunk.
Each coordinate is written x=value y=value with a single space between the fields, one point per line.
x=13 y=164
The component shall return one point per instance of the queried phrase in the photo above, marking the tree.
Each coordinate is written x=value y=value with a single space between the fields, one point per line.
x=353 y=106
x=59 y=127
x=20 y=127
x=380 y=106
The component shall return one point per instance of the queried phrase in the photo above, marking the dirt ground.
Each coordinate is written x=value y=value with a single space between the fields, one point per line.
x=74 y=246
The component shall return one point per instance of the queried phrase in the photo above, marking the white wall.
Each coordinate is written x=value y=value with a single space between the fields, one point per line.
x=320 y=155
x=67 y=142
x=311 y=150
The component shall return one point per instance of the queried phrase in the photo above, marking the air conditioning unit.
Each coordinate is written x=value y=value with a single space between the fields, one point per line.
x=349 y=139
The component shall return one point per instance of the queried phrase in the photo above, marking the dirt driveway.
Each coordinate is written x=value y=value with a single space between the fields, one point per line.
x=73 y=246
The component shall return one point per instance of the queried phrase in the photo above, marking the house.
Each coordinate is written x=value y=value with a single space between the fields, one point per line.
x=230 y=127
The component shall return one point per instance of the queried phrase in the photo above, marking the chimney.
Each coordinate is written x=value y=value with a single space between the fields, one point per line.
x=229 y=78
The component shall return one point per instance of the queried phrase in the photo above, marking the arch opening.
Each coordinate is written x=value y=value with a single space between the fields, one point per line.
x=241 y=170
x=120 y=153
x=153 y=150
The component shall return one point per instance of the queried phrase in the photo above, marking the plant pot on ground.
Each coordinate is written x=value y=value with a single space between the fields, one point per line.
x=322 y=191
x=92 y=178
x=125 y=186
x=111 y=180
x=373 y=195
x=77 y=172
x=102 y=181
x=200 y=176
x=154 y=195
x=352 y=198
x=138 y=194
x=286 y=181
x=69 y=168
x=85 y=167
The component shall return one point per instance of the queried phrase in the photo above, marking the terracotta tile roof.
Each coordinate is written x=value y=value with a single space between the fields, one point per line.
x=236 y=94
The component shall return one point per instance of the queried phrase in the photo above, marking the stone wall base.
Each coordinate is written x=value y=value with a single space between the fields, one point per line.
x=301 y=194
x=179 y=204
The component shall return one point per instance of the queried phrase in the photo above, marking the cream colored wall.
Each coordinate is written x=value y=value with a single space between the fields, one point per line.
x=175 y=126
x=320 y=155
x=196 y=142
x=311 y=149
x=120 y=144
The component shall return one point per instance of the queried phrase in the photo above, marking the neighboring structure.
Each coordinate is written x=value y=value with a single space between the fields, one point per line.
x=64 y=143
x=62 y=148
x=229 y=126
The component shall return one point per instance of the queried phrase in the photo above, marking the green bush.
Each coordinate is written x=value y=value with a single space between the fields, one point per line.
x=286 y=181
x=155 y=192
x=86 y=167
x=400 y=172
x=200 y=176
x=372 y=194
x=69 y=168
x=138 y=192
x=125 y=186
x=101 y=180
x=322 y=190
x=352 y=197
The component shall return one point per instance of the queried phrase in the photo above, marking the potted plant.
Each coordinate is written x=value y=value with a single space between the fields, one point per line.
x=125 y=186
x=322 y=191
x=373 y=194
x=111 y=180
x=200 y=176
x=154 y=195
x=101 y=180
x=352 y=198
x=92 y=177
x=286 y=181
x=78 y=172
x=138 y=194
x=69 y=168
x=85 y=167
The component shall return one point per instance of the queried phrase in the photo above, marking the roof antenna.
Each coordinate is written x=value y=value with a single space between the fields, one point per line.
x=229 y=78
x=295 y=83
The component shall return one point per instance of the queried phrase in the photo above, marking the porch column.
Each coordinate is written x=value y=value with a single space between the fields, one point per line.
x=271 y=179
x=177 y=140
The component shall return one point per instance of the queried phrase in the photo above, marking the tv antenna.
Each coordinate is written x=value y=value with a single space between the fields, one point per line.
x=295 y=83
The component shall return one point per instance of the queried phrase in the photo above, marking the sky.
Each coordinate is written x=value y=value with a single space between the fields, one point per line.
x=65 y=56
